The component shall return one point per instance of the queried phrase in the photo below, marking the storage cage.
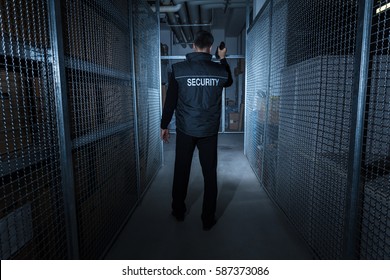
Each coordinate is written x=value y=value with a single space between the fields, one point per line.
x=76 y=111
x=317 y=120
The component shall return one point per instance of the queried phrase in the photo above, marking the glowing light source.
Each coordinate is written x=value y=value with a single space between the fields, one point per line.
x=383 y=8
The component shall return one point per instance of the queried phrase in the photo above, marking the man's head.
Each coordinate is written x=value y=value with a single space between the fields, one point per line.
x=203 y=41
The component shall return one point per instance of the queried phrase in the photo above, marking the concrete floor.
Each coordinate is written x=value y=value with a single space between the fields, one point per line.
x=249 y=225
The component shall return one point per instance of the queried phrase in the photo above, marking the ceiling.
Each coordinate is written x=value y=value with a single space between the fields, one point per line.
x=184 y=18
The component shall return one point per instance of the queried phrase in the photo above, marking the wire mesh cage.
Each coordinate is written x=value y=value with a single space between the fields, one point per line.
x=375 y=168
x=31 y=200
x=55 y=206
x=257 y=89
x=306 y=62
x=148 y=90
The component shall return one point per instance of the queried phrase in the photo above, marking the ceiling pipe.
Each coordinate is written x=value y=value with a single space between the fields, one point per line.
x=205 y=17
x=200 y=13
x=183 y=17
x=222 y=6
x=194 y=13
x=204 y=2
x=168 y=9
x=166 y=4
x=176 y=29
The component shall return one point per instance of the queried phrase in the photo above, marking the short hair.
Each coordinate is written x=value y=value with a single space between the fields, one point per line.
x=203 y=39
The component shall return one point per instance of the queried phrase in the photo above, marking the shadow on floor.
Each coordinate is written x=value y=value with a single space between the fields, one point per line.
x=249 y=225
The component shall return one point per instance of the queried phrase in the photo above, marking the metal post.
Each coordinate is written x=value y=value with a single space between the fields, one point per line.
x=159 y=69
x=223 y=115
x=267 y=94
x=136 y=137
x=354 y=191
x=63 y=126
x=246 y=78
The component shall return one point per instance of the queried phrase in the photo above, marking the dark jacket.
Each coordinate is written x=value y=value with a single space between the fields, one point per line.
x=195 y=91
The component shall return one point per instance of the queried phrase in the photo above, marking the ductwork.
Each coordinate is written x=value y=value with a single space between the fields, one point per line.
x=194 y=12
x=205 y=2
x=200 y=11
x=199 y=15
x=176 y=29
x=168 y=9
x=222 y=6
x=184 y=21
x=205 y=17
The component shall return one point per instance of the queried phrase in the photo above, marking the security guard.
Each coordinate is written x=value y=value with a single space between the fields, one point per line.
x=195 y=92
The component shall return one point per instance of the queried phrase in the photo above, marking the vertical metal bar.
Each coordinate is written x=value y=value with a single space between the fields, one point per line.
x=65 y=142
x=223 y=110
x=355 y=189
x=159 y=69
x=246 y=78
x=268 y=90
x=136 y=132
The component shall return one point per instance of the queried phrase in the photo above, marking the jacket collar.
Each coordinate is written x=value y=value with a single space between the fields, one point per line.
x=198 y=56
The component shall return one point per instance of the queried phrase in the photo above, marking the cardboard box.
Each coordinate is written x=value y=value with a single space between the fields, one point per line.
x=234 y=119
x=107 y=155
x=83 y=107
x=84 y=170
x=40 y=195
x=274 y=110
x=114 y=105
x=15 y=135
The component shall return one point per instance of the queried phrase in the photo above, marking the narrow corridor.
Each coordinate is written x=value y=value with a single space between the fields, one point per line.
x=249 y=225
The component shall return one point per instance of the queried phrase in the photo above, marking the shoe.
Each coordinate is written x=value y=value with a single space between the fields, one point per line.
x=209 y=224
x=179 y=216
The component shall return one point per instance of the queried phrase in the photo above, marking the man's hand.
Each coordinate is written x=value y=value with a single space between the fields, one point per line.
x=222 y=53
x=165 y=135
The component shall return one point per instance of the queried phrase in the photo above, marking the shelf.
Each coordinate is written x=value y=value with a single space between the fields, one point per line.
x=81 y=65
x=100 y=133
x=24 y=51
x=336 y=163
x=32 y=155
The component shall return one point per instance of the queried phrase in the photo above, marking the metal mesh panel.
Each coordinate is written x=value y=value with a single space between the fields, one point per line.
x=375 y=223
x=257 y=89
x=307 y=114
x=32 y=216
x=97 y=43
x=235 y=98
x=147 y=53
x=99 y=81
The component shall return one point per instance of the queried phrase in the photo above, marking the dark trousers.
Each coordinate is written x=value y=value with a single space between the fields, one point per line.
x=185 y=146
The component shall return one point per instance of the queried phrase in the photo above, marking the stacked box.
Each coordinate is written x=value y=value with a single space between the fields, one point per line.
x=84 y=161
x=83 y=105
x=375 y=228
x=234 y=120
x=15 y=133
x=273 y=110
x=107 y=158
x=90 y=225
x=21 y=21
x=31 y=212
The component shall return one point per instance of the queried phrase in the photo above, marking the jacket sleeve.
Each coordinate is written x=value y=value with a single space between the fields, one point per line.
x=229 y=81
x=170 y=102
